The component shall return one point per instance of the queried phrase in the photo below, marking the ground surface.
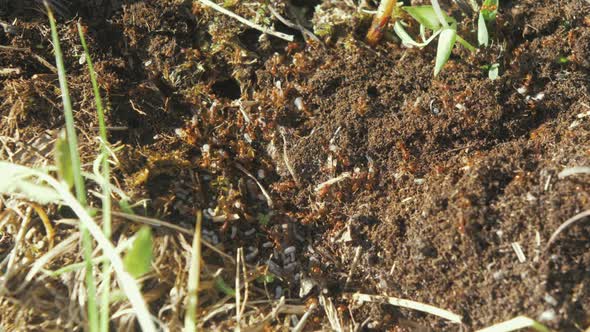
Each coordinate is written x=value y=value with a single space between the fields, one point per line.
x=438 y=176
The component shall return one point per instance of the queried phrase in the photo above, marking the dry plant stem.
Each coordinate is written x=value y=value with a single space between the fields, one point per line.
x=37 y=57
x=331 y=313
x=264 y=192
x=19 y=241
x=332 y=181
x=286 y=156
x=380 y=21
x=63 y=247
x=128 y=284
x=240 y=306
x=565 y=225
x=246 y=282
x=46 y=223
x=194 y=274
x=301 y=325
x=408 y=304
x=159 y=223
x=246 y=22
x=355 y=262
x=304 y=31
x=238 y=293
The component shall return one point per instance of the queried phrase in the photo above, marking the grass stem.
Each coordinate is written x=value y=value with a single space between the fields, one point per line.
x=106 y=191
x=77 y=171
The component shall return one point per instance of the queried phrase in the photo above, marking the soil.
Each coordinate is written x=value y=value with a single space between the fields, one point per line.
x=435 y=179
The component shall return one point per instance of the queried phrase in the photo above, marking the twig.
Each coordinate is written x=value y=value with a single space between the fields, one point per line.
x=301 y=325
x=20 y=237
x=9 y=71
x=565 y=225
x=246 y=282
x=157 y=223
x=264 y=192
x=355 y=262
x=194 y=274
x=304 y=31
x=286 y=157
x=37 y=57
x=331 y=313
x=573 y=171
x=332 y=181
x=62 y=247
x=246 y=22
x=408 y=304
x=238 y=292
x=514 y=324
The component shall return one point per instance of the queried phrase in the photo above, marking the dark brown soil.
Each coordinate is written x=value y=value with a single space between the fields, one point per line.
x=444 y=174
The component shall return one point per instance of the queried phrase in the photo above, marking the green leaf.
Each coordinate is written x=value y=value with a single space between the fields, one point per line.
x=221 y=285
x=126 y=207
x=446 y=41
x=493 y=71
x=63 y=159
x=266 y=279
x=489 y=9
x=562 y=60
x=482 y=31
x=426 y=16
x=138 y=259
x=18 y=180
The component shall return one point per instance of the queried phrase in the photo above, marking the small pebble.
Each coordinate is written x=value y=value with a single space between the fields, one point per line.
x=278 y=292
x=550 y=300
x=249 y=232
x=547 y=316
x=261 y=174
x=252 y=254
x=290 y=250
x=289 y=268
x=498 y=275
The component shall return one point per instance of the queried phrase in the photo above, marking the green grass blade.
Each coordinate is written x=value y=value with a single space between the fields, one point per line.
x=76 y=170
x=68 y=113
x=63 y=159
x=465 y=44
x=125 y=280
x=106 y=191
